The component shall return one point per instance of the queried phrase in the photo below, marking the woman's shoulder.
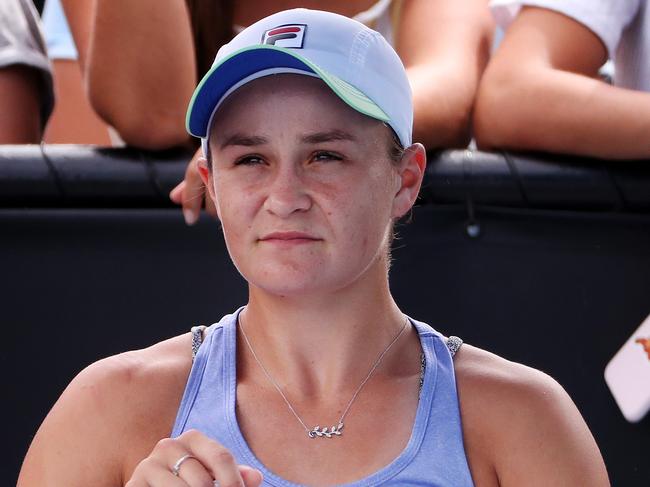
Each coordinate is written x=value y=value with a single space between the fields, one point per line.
x=519 y=421
x=111 y=415
x=486 y=373
x=135 y=377
x=131 y=388
x=160 y=362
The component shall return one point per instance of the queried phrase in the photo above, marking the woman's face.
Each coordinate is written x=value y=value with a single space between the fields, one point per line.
x=303 y=186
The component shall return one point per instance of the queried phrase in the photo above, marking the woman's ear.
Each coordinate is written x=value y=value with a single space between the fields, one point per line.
x=208 y=183
x=204 y=172
x=410 y=174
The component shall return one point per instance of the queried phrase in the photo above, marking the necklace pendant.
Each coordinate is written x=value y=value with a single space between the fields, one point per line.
x=317 y=432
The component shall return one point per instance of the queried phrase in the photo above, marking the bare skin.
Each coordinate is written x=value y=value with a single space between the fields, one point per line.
x=137 y=395
x=122 y=48
x=541 y=92
x=20 y=99
x=324 y=172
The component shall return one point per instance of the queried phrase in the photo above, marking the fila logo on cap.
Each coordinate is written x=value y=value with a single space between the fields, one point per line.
x=291 y=36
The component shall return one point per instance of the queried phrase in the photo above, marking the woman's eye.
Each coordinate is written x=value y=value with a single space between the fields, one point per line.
x=249 y=161
x=326 y=156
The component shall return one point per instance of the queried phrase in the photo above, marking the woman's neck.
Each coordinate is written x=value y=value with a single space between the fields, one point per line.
x=322 y=343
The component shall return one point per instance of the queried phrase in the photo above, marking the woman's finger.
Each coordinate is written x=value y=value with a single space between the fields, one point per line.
x=176 y=194
x=221 y=464
x=252 y=477
x=162 y=476
x=192 y=472
x=174 y=458
x=193 y=192
x=216 y=458
x=154 y=472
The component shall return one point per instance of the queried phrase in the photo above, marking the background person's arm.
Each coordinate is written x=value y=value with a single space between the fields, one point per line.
x=541 y=92
x=444 y=46
x=20 y=105
x=139 y=66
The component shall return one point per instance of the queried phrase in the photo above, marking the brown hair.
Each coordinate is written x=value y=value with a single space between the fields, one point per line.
x=212 y=22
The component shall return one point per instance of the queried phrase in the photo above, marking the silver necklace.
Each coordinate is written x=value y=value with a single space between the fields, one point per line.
x=317 y=431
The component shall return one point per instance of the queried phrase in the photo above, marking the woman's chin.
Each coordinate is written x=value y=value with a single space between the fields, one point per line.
x=288 y=288
x=303 y=279
x=294 y=284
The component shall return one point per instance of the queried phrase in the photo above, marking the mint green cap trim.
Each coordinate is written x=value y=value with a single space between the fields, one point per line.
x=353 y=97
x=344 y=90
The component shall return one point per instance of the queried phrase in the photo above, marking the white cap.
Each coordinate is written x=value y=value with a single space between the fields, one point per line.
x=353 y=60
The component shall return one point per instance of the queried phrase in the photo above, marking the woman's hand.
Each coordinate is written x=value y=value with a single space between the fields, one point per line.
x=191 y=191
x=205 y=461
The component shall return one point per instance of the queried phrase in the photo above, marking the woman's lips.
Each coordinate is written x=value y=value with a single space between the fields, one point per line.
x=289 y=238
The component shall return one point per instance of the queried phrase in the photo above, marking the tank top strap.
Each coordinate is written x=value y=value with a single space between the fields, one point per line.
x=207 y=355
x=197 y=339
x=453 y=344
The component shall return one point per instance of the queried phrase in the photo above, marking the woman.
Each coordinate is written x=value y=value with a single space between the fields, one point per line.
x=320 y=379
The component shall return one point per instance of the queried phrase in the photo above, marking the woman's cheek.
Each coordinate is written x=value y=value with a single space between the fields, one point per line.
x=232 y=223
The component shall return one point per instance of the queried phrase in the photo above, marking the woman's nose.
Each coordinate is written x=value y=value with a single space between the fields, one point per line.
x=287 y=193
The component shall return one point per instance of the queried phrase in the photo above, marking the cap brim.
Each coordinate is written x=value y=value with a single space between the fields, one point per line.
x=245 y=63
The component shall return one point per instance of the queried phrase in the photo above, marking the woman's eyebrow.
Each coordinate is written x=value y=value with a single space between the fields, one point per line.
x=328 y=136
x=244 y=140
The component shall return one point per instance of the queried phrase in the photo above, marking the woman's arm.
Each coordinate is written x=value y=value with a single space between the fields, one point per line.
x=139 y=66
x=541 y=92
x=521 y=428
x=109 y=418
x=111 y=425
x=445 y=46
x=77 y=444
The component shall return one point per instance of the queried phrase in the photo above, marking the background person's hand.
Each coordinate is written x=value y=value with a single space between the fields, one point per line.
x=191 y=192
x=208 y=462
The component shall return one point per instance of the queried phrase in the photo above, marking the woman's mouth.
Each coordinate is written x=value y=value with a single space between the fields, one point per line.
x=289 y=238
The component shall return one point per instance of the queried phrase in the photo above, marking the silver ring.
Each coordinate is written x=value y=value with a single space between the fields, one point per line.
x=177 y=466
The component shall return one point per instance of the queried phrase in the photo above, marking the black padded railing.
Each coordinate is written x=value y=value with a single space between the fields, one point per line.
x=88 y=176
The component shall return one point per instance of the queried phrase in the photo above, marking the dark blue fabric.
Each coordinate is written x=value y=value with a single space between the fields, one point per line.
x=229 y=73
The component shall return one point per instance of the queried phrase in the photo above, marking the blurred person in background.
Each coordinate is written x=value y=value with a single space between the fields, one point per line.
x=122 y=44
x=26 y=94
x=541 y=90
x=73 y=120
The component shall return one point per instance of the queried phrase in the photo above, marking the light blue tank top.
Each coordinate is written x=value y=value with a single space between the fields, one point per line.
x=434 y=455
